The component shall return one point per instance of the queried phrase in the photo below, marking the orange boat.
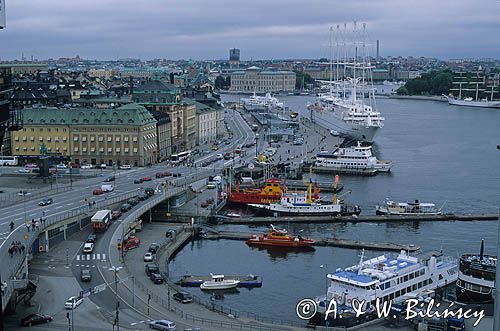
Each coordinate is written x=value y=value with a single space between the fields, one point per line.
x=271 y=192
x=279 y=238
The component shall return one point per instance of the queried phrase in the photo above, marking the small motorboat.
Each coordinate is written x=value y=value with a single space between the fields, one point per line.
x=219 y=283
x=279 y=238
x=407 y=208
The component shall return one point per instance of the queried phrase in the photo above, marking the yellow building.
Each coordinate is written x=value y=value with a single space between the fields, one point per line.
x=38 y=138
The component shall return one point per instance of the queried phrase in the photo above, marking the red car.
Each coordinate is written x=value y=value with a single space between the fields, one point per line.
x=131 y=243
x=159 y=175
x=146 y=179
x=115 y=214
x=98 y=191
x=34 y=319
x=167 y=174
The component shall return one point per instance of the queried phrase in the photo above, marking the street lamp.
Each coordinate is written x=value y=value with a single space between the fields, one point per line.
x=116 y=270
x=325 y=266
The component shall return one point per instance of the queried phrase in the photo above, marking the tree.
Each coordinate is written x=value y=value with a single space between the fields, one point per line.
x=220 y=82
x=228 y=82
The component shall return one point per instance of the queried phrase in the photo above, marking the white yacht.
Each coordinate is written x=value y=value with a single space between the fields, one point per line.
x=407 y=208
x=349 y=106
x=258 y=103
x=219 y=283
x=388 y=277
x=351 y=159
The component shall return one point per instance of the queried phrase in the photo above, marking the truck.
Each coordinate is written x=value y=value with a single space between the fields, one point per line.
x=107 y=188
x=101 y=220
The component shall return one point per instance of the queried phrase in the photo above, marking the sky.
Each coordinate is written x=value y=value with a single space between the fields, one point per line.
x=262 y=29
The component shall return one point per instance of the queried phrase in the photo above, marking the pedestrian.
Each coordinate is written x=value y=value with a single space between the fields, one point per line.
x=11 y=252
x=93 y=203
x=33 y=226
x=28 y=227
x=22 y=249
x=43 y=212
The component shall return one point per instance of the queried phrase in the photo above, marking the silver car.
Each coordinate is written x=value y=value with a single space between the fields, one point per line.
x=162 y=325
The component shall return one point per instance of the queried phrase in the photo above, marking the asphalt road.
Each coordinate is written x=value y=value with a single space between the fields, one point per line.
x=75 y=198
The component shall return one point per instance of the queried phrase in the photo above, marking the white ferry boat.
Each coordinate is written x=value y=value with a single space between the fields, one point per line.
x=407 y=208
x=389 y=278
x=351 y=159
x=258 y=103
x=219 y=283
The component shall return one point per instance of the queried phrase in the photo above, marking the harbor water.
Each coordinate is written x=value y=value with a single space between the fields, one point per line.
x=441 y=153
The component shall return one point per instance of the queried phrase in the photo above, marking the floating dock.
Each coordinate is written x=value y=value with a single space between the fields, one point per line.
x=248 y=281
x=345 y=243
x=360 y=219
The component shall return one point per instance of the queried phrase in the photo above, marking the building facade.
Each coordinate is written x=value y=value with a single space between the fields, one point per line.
x=257 y=80
x=125 y=135
x=206 y=122
x=163 y=134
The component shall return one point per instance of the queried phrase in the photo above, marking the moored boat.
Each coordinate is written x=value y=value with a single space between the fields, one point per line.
x=219 y=283
x=407 y=208
x=476 y=277
x=279 y=238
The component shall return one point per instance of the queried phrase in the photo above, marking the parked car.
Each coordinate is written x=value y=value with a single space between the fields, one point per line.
x=61 y=166
x=167 y=174
x=86 y=166
x=162 y=325
x=211 y=185
x=148 y=257
x=125 y=207
x=115 y=214
x=110 y=179
x=227 y=156
x=170 y=233
x=146 y=179
x=219 y=156
x=334 y=133
x=92 y=238
x=46 y=202
x=73 y=302
x=75 y=165
x=153 y=248
x=98 y=191
x=131 y=243
x=86 y=275
x=125 y=167
x=103 y=166
x=88 y=247
x=35 y=319
x=149 y=191
x=31 y=165
x=151 y=268
x=183 y=297
x=138 y=181
x=214 y=147
x=159 y=175
x=21 y=193
x=156 y=278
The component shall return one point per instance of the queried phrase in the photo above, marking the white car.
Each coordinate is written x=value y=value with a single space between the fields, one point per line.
x=162 y=325
x=148 y=257
x=24 y=171
x=86 y=166
x=73 y=302
x=211 y=185
x=219 y=156
x=61 y=166
x=126 y=167
x=88 y=247
x=103 y=166
x=334 y=133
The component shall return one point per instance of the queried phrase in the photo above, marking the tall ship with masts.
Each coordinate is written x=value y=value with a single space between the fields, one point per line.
x=349 y=106
x=474 y=91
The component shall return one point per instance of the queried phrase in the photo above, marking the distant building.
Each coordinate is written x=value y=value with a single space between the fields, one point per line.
x=125 y=135
x=206 y=120
x=101 y=73
x=254 y=79
x=163 y=139
x=23 y=68
x=234 y=56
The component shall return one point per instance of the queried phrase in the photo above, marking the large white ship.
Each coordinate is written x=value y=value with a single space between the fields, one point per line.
x=389 y=278
x=349 y=106
x=480 y=88
x=258 y=103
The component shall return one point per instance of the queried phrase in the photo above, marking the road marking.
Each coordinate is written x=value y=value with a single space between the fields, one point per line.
x=59 y=207
x=93 y=256
x=78 y=257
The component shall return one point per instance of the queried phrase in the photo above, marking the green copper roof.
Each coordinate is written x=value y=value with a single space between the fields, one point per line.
x=130 y=114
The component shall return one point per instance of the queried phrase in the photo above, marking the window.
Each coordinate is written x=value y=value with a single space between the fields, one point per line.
x=101 y=138
x=32 y=138
x=101 y=149
x=24 y=138
x=109 y=139
x=25 y=149
x=92 y=149
x=126 y=139
x=126 y=149
x=110 y=149
x=75 y=138
x=118 y=149
x=40 y=138
x=117 y=139
x=64 y=139
x=84 y=149
x=48 y=139
x=17 y=148
x=32 y=148
x=135 y=139
x=135 y=150
x=84 y=138
x=75 y=149
x=56 y=139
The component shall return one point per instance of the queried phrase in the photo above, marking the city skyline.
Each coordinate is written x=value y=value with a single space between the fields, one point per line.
x=278 y=30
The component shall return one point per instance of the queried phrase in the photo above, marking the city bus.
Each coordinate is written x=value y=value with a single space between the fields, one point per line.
x=8 y=160
x=180 y=157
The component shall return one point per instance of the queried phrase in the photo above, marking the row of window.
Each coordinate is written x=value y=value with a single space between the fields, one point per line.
x=48 y=129
x=101 y=149
x=33 y=148
x=101 y=139
x=408 y=289
x=48 y=139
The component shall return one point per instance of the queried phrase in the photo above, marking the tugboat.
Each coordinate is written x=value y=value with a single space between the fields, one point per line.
x=476 y=277
x=271 y=192
x=407 y=208
x=279 y=238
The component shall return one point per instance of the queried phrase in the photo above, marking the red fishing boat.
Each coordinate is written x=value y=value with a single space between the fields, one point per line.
x=279 y=238
x=270 y=192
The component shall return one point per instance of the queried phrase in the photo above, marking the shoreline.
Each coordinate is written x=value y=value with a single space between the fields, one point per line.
x=419 y=97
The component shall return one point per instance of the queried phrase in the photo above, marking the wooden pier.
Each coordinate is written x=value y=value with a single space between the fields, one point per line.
x=344 y=243
x=360 y=219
